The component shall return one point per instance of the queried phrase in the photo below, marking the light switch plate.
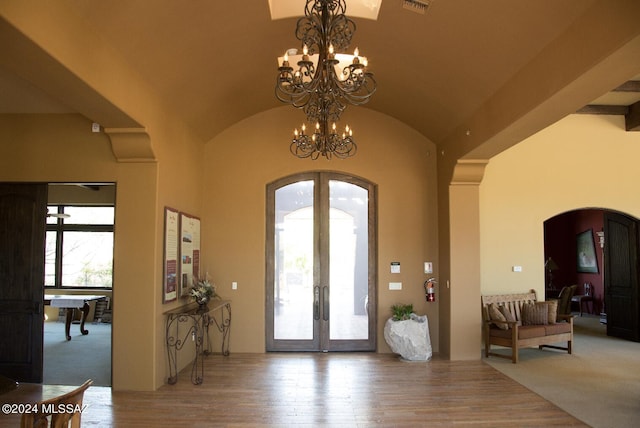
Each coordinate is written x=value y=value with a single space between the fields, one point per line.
x=395 y=286
x=428 y=267
x=395 y=267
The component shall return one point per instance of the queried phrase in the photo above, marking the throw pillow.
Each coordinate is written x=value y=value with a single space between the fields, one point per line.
x=552 y=311
x=496 y=315
x=507 y=314
x=564 y=300
x=533 y=314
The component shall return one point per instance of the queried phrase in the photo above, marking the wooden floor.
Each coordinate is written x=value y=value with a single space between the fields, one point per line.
x=324 y=390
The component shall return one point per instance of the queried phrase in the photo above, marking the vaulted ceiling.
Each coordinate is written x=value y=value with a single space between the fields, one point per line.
x=447 y=70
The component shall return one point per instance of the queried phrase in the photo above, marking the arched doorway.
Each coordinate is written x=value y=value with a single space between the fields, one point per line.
x=321 y=263
x=612 y=278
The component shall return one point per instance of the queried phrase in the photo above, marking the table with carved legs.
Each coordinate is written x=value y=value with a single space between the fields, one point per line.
x=71 y=302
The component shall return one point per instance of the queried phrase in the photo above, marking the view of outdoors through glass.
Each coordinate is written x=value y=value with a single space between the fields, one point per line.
x=84 y=255
x=294 y=262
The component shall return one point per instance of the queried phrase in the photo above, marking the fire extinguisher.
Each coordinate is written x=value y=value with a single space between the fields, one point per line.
x=430 y=291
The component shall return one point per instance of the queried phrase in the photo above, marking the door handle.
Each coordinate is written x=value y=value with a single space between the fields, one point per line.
x=316 y=303
x=37 y=308
x=325 y=303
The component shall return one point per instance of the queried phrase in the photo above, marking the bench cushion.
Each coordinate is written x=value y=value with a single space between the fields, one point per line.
x=561 y=327
x=524 y=332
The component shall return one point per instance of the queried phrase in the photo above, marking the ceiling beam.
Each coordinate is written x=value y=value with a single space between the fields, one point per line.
x=632 y=118
x=604 y=109
x=630 y=86
x=631 y=113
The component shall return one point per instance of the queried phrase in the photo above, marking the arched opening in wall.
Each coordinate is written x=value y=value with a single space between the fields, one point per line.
x=596 y=250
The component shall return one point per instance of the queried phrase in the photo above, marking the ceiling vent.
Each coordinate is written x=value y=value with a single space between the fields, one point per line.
x=417 y=6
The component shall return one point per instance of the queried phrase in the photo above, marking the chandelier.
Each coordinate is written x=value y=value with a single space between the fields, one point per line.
x=324 y=81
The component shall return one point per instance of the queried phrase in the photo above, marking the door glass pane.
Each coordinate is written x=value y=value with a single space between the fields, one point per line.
x=89 y=215
x=87 y=259
x=50 y=258
x=293 y=281
x=349 y=270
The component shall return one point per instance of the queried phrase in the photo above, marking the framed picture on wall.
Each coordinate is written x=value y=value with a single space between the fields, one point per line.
x=189 y=251
x=171 y=255
x=586 y=252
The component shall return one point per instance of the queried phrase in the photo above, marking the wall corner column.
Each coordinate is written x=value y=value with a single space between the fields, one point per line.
x=465 y=324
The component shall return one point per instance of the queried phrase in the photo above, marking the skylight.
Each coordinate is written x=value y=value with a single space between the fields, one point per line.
x=367 y=9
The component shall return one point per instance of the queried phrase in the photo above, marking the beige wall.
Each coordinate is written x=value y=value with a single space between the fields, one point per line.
x=237 y=167
x=62 y=148
x=581 y=161
x=242 y=160
x=585 y=160
x=103 y=87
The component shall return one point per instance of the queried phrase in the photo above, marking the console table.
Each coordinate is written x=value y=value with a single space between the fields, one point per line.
x=196 y=321
x=71 y=302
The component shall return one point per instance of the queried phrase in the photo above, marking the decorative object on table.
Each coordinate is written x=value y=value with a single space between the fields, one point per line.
x=325 y=80
x=407 y=334
x=429 y=289
x=401 y=312
x=203 y=291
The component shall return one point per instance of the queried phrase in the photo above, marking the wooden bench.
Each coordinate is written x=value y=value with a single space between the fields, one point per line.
x=513 y=334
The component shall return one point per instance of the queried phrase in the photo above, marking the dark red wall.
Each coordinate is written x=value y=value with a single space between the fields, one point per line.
x=560 y=237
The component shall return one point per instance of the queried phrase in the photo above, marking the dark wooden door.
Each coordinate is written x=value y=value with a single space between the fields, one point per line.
x=23 y=210
x=621 y=276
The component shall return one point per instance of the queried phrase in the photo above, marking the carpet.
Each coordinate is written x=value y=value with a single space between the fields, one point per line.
x=83 y=357
x=599 y=383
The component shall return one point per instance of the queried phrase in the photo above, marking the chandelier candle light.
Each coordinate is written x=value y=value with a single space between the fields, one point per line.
x=324 y=81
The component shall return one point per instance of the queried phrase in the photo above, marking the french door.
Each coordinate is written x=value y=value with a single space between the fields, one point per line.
x=321 y=263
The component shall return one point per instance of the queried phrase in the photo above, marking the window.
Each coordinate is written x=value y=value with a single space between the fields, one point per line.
x=79 y=247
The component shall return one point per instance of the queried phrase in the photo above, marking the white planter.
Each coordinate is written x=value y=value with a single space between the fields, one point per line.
x=409 y=338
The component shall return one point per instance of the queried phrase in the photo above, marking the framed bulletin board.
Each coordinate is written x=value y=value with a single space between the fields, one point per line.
x=189 y=252
x=171 y=255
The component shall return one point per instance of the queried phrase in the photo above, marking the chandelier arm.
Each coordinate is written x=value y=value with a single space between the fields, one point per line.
x=296 y=94
x=360 y=95
x=355 y=80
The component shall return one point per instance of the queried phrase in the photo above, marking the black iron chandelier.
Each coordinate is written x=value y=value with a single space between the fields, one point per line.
x=324 y=80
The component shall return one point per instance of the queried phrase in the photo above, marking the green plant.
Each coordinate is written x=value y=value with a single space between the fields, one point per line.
x=203 y=291
x=401 y=311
